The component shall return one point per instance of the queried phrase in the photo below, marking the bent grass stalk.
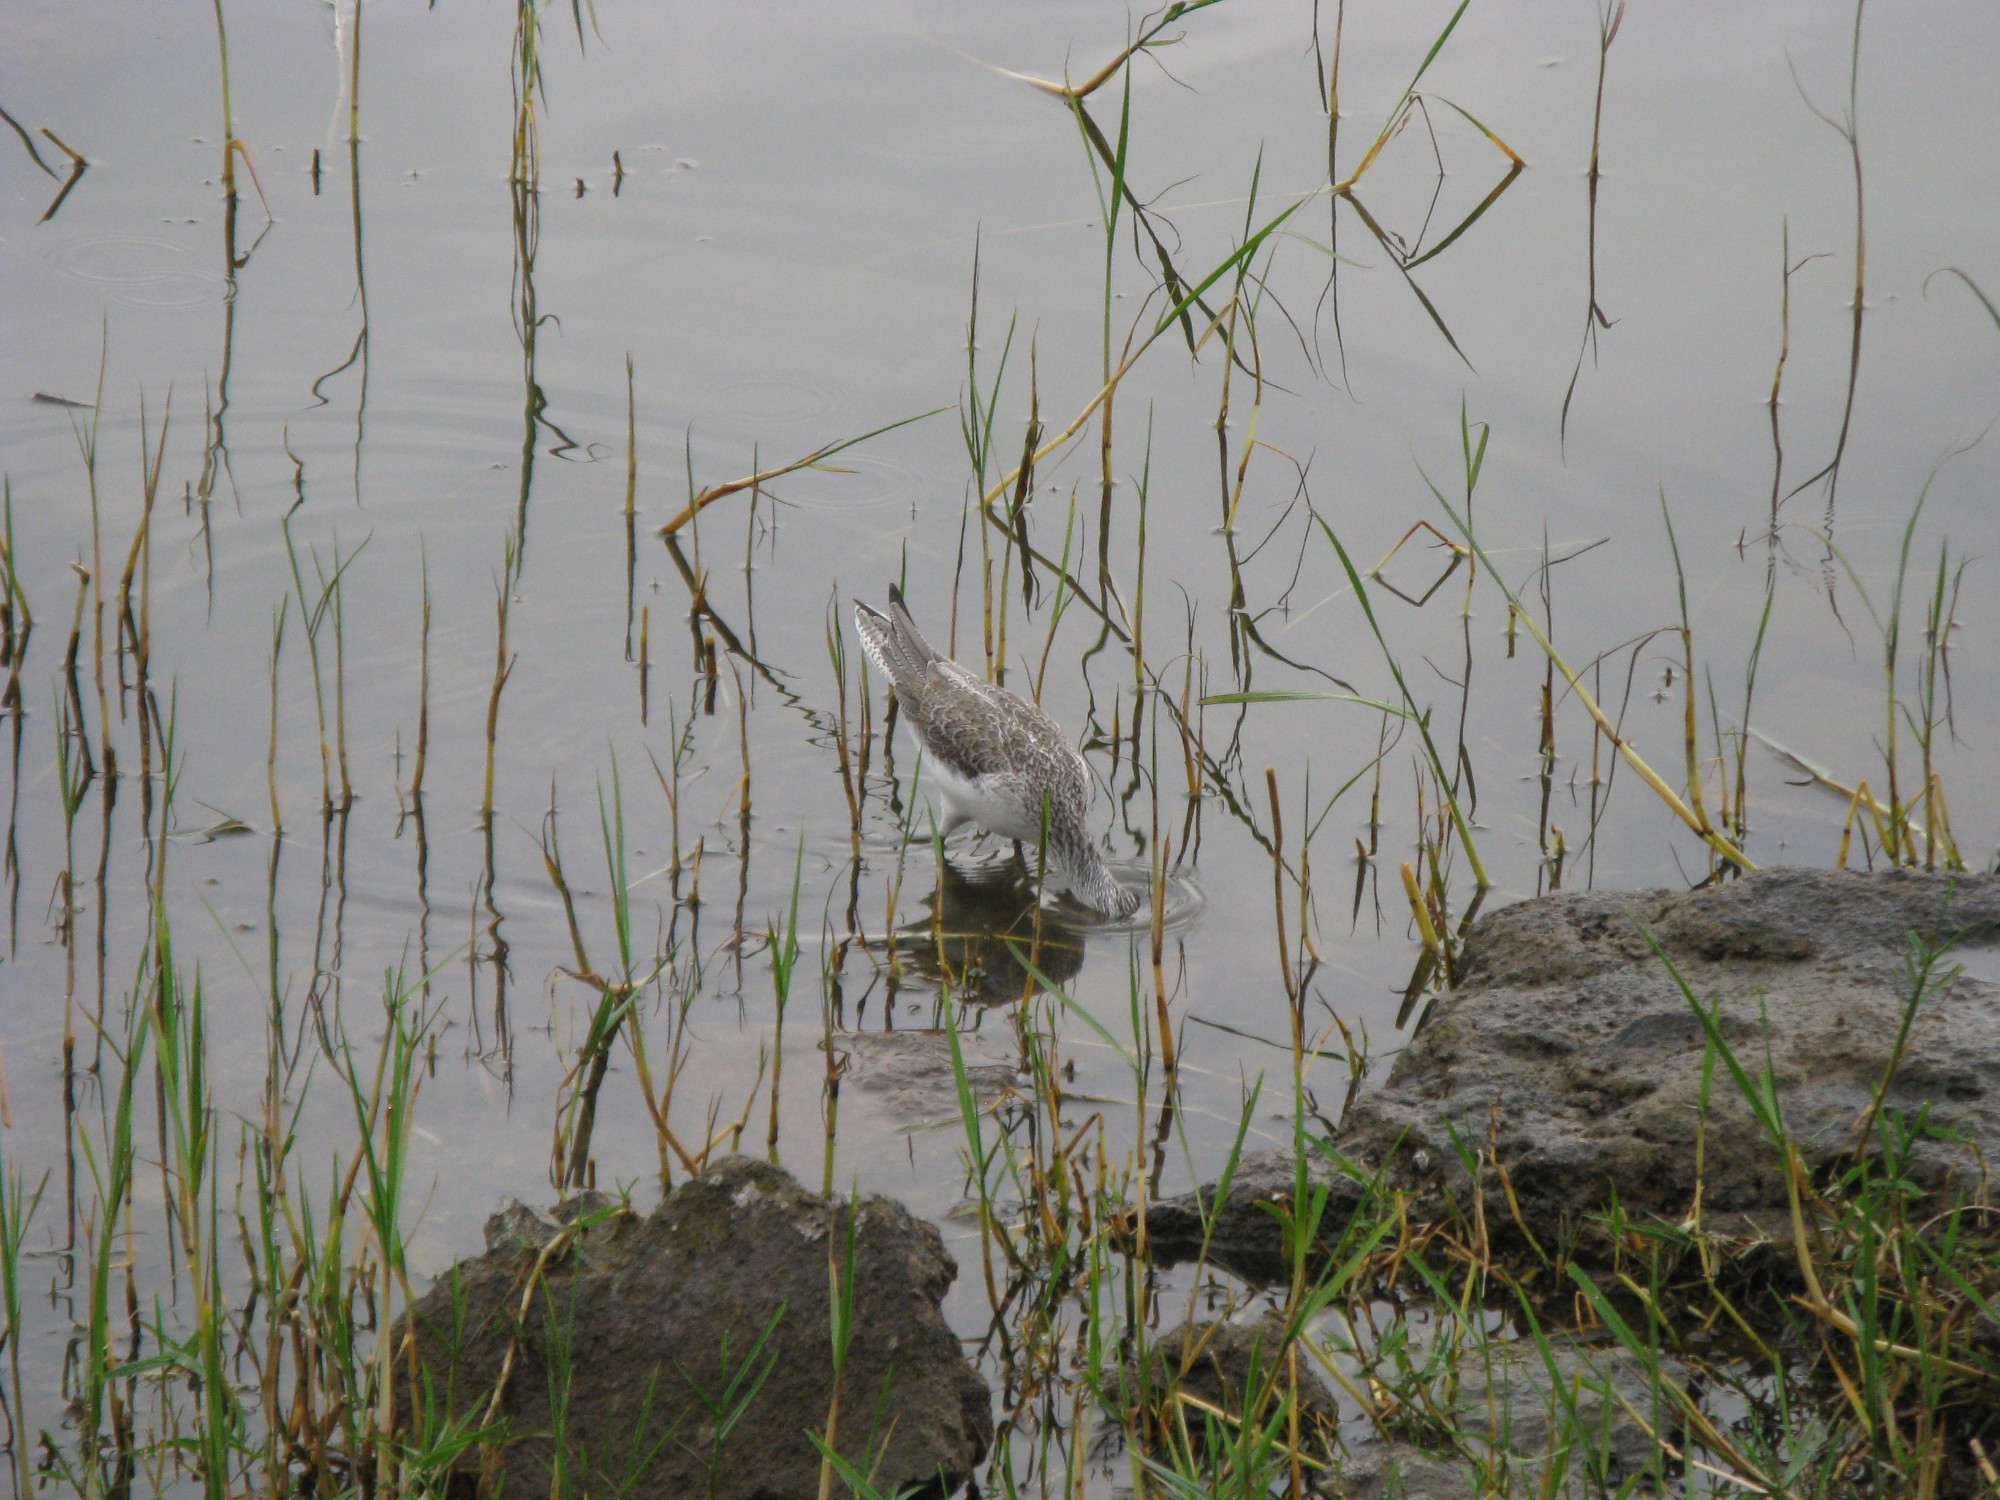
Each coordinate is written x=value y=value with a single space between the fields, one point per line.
x=1410 y=710
x=1896 y=823
x=1697 y=822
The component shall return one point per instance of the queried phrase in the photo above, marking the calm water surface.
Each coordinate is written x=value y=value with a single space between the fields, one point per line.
x=419 y=372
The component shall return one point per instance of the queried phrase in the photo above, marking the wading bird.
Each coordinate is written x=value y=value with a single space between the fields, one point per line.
x=1001 y=762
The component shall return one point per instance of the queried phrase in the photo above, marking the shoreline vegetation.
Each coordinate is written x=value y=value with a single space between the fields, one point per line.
x=1183 y=1270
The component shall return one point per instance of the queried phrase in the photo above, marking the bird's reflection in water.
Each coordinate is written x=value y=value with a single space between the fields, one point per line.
x=985 y=928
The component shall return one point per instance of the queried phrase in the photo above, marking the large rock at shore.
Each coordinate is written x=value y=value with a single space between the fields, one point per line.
x=1569 y=1055
x=642 y=1337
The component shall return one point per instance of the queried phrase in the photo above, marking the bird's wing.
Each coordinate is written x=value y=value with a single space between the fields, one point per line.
x=985 y=730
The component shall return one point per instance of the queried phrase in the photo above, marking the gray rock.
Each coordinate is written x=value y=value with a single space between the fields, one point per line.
x=1241 y=1227
x=519 y=1225
x=636 y=1327
x=1568 y=1054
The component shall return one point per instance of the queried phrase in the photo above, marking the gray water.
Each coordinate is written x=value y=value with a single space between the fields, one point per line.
x=424 y=368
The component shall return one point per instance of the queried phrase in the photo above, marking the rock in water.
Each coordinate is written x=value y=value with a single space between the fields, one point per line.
x=1568 y=1049
x=641 y=1337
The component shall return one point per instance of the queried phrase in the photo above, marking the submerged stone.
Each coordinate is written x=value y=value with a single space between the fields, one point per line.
x=912 y=1073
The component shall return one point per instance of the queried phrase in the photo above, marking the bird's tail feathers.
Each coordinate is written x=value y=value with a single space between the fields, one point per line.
x=908 y=637
x=893 y=642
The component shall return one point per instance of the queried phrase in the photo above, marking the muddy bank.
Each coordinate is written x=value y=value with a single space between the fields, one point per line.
x=1569 y=1063
x=688 y=1352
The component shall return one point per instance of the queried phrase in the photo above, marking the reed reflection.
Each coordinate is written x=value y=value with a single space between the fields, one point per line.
x=986 y=927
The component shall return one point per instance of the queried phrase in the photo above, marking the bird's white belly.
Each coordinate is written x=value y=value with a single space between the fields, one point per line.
x=981 y=802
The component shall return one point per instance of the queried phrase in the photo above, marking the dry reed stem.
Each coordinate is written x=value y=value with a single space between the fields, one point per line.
x=812 y=460
x=1702 y=829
